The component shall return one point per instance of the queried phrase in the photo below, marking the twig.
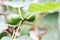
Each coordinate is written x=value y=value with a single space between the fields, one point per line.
x=20 y=23
x=30 y=15
x=3 y=9
x=17 y=29
x=20 y=12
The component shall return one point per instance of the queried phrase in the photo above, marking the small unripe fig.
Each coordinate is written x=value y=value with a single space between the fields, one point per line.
x=31 y=19
x=13 y=19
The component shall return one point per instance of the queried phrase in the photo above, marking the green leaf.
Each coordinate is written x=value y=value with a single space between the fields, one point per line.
x=35 y=7
x=6 y=38
x=2 y=35
x=27 y=25
x=51 y=35
x=50 y=19
x=24 y=37
x=25 y=28
x=10 y=0
x=24 y=32
x=51 y=6
x=57 y=5
x=48 y=6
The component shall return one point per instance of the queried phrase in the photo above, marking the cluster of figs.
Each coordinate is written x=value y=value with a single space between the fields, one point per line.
x=15 y=18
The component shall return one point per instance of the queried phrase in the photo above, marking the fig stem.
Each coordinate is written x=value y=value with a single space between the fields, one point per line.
x=30 y=15
x=20 y=23
x=19 y=11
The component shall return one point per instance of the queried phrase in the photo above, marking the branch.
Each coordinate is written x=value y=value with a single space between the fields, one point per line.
x=3 y=9
x=20 y=12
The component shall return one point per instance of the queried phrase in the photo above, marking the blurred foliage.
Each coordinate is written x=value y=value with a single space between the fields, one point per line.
x=23 y=12
x=49 y=20
x=0 y=9
x=3 y=34
x=51 y=6
x=16 y=0
x=51 y=35
x=15 y=10
x=26 y=26
x=36 y=7
x=24 y=37
x=6 y=38
x=24 y=32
